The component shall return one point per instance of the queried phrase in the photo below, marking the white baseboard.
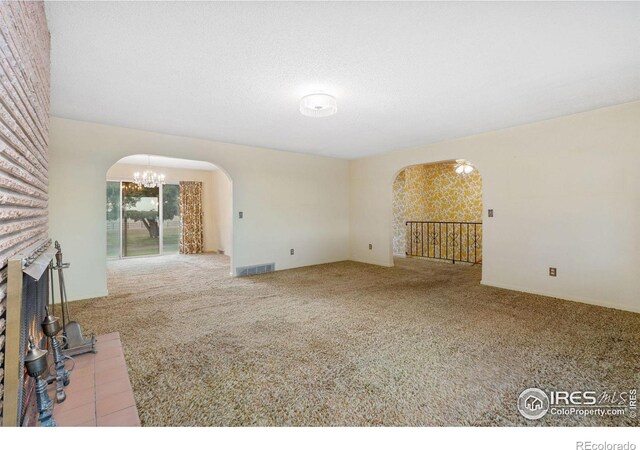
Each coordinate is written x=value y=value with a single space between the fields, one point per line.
x=589 y=301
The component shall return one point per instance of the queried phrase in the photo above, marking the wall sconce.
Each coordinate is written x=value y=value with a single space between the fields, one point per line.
x=463 y=167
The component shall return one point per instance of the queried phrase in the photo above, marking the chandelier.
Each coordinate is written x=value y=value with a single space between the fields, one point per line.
x=463 y=167
x=148 y=178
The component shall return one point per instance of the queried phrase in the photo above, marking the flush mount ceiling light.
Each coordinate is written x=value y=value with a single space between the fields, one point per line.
x=318 y=105
x=463 y=167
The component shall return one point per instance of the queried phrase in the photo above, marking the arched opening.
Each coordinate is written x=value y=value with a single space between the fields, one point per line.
x=437 y=212
x=158 y=206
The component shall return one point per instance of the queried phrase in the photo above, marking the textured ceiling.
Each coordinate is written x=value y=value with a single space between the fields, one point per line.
x=163 y=161
x=404 y=74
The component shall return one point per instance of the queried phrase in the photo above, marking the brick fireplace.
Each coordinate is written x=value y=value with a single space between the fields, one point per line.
x=24 y=166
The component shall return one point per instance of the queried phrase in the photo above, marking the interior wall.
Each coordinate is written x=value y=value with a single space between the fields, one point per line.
x=565 y=193
x=434 y=192
x=289 y=200
x=558 y=188
x=222 y=212
x=212 y=221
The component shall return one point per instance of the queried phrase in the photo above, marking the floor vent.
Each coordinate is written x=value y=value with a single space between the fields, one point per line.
x=254 y=270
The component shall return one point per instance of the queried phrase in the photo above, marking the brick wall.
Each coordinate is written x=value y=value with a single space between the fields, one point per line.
x=24 y=136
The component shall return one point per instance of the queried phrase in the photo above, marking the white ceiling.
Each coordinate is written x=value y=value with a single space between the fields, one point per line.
x=163 y=161
x=404 y=74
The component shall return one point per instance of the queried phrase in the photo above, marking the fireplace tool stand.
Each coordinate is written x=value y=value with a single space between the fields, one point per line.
x=51 y=328
x=76 y=343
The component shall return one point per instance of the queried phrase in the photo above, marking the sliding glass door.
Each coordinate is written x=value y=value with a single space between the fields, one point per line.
x=140 y=212
x=170 y=218
x=113 y=219
x=134 y=227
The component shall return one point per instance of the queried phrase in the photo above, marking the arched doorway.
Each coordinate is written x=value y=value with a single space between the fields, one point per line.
x=144 y=219
x=437 y=212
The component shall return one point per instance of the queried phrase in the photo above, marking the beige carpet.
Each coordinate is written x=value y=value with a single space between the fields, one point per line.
x=422 y=343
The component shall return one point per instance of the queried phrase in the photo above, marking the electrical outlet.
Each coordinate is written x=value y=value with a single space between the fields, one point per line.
x=490 y=213
x=370 y=246
x=240 y=214
x=552 y=271
x=292 y=251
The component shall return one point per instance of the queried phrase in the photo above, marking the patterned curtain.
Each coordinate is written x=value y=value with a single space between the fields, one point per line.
x=190 y=217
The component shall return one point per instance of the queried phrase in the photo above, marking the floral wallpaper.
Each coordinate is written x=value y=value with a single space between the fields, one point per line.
x=434 y=192
x=399 y=214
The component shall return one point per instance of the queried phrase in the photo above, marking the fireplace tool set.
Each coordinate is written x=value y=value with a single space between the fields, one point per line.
x=73 y=343
x=76 y=343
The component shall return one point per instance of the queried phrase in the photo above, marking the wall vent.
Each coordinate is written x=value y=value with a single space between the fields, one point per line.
x=254 y=270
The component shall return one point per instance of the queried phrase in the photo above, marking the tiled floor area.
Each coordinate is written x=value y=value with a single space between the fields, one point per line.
x=100 y=393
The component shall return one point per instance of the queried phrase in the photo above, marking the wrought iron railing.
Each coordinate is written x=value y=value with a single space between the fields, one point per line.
x=452 y=241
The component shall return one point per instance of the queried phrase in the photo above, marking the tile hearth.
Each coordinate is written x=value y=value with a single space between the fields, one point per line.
x=100 y=393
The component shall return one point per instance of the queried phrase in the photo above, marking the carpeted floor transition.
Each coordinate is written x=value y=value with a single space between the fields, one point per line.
x=422 y=343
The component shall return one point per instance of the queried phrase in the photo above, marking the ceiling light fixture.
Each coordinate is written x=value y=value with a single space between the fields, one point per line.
x=148 y=178
x=463 y=167
x=318 y=105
